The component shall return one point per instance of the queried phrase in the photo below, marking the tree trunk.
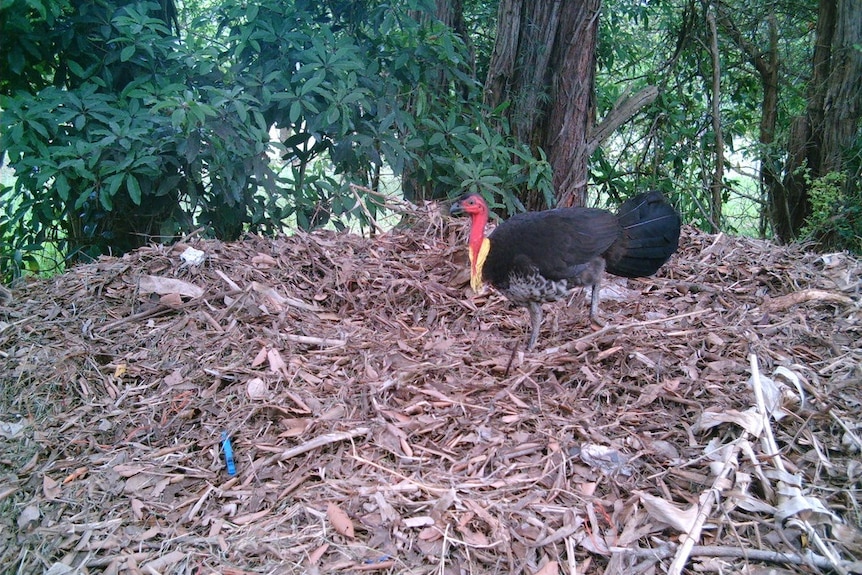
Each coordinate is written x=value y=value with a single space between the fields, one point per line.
x=573 y=113
x=717 y=183
x=842 y=106
x=767 y=68
x=790 y=204
x=520 y=69
x=767 y=65
x=819 y=141
x=543 y=64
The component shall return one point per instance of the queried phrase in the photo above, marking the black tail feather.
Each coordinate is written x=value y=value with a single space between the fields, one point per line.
x=650 y=236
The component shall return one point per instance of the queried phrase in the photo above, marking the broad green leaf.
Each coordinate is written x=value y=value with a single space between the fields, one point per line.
x=134 y=189
x=127 y=53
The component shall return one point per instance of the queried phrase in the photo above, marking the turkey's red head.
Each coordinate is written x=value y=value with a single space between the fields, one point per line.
x=471 y=204
x=474 y=206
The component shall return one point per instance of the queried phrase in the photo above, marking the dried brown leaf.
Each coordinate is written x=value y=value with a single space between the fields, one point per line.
x=256 y=388
x=276 y=362
x=549 y=568
x=314 y=556
x=668 y=513
x=163 y=286
x=164 y=562
x=28 y=517
x=382 y=330
x=50 y=488
x=260 y=357
x=340 y=520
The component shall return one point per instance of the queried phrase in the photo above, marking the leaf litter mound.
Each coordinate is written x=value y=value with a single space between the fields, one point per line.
x=712 y=425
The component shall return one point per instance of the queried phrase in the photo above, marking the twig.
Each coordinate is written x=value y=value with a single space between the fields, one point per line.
x=379 y=566
x=570 y=556
x=850 y=433
x=311 y=444
x=568 y=347
x=769 y=444
x=310 y=340
x=564 y=532
x=705 y=503
x=816 y=295
x=511 y=358
x=422 y=486
x=668 y=549
x=159 y=309
x=441 y=566
x=197 y=506
x=718 y=237
x=771 y=448
x=154 y=311
x=279 y=299
x=365 y=209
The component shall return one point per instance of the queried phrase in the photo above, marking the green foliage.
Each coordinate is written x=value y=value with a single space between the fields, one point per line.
x=661 y=147
x=27 y=53
x=396 y=93
x=133 y=137
x=835 y=222
x=320 y=86
x=669 y=145
x=459 y=156
x=120 y=131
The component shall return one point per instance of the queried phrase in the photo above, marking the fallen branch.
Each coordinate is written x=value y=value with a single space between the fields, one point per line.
x=668 y=549
x=572 y=345
x=807 y=295
x=312 y=444
x=706 y=501
x=157 y=310
x=364 y=208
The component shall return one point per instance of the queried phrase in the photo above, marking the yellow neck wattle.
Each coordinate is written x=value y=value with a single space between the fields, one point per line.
x=477 y=261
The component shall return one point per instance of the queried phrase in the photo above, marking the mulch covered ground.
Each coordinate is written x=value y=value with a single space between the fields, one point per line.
x=713 y=425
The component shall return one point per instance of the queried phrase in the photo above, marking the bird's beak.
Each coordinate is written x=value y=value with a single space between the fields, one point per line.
x=456 y=209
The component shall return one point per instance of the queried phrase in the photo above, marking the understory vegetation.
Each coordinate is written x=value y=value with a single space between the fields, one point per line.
x=126 y=122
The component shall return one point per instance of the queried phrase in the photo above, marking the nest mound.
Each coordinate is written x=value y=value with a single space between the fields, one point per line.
x=375 y=428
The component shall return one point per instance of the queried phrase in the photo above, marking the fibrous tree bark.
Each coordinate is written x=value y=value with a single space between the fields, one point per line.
x=543 y=68
x=819 y=140
x=544 y=65
x=573 y=109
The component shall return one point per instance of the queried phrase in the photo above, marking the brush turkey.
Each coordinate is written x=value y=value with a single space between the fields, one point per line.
x=540 y=257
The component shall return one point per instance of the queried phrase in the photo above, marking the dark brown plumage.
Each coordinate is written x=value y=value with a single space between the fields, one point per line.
x=540 y=257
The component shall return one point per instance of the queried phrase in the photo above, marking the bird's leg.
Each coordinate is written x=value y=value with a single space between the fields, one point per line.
x=535 y=322
x=594 y=304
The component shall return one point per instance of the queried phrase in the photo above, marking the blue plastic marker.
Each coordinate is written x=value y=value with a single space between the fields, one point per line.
x=228 y=453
